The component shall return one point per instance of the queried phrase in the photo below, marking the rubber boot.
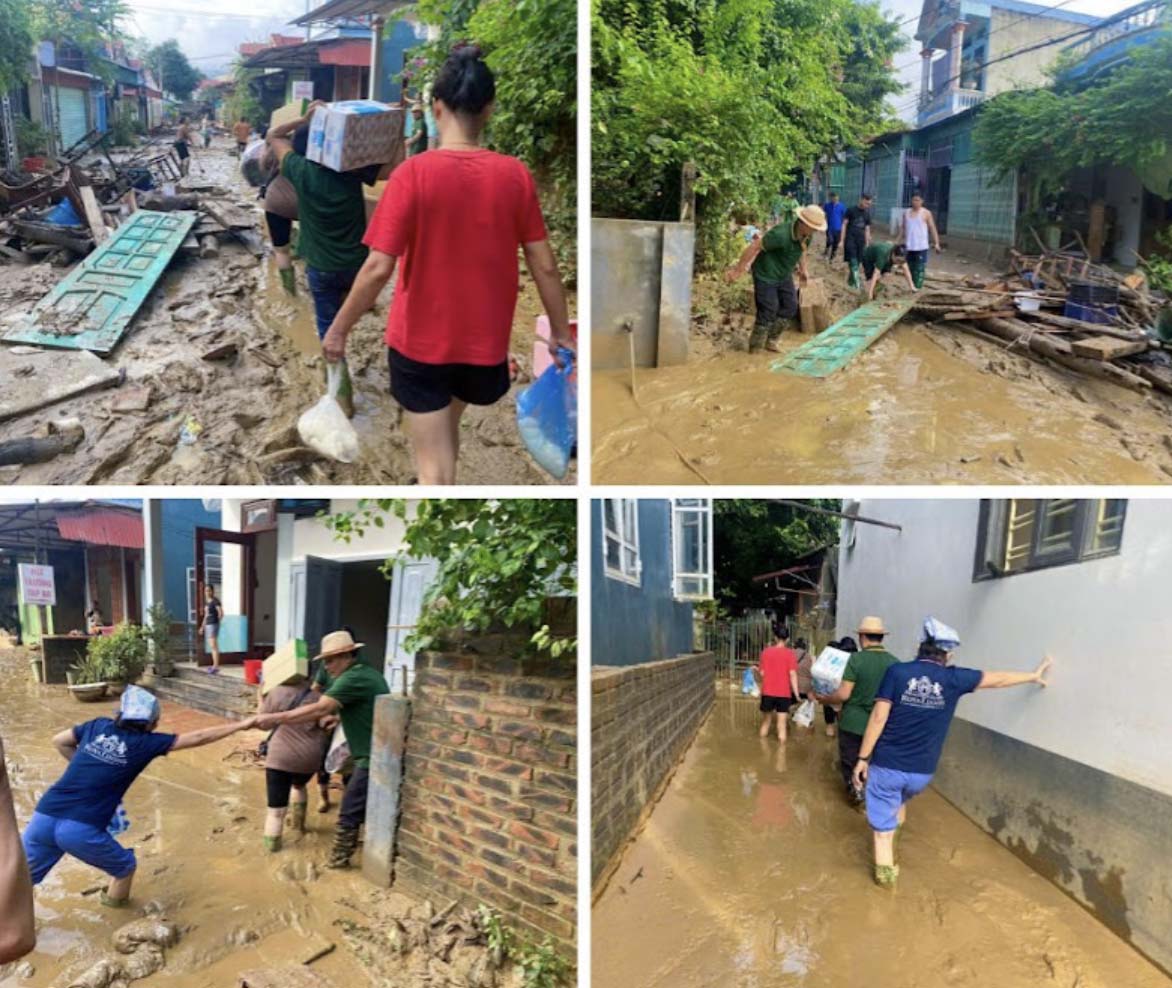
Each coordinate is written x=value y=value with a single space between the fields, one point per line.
x=109 y=903
x=918 y=276
x=272 y=844
x=773 y=341
x=323 y=805
x=297 y=816
x=886 y=875
x=288 y=280
x=853 y=280
x=345 y=844
x=757 y=338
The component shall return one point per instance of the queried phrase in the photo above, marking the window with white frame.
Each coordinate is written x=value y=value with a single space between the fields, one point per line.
x=691 y=548
x=620 y=539
x=1020 y=535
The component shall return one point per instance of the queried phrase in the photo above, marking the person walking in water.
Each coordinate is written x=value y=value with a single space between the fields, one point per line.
x=917 y=224
x=293 y=755
x=777 y=670
x=835 y=215
x=451 y=222
x=860 y=679
x=905 y=734
x=209 y=626
x=856 y=237
x=105 y=757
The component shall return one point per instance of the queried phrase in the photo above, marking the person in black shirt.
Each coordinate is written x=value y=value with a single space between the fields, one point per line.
x=209 y=626
x=856 y=237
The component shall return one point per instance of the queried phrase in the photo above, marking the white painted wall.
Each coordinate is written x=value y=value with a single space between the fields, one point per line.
x=1107 y=623
x=312 y=538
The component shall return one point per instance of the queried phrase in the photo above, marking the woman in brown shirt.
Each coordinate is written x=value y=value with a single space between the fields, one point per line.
x=295 y=753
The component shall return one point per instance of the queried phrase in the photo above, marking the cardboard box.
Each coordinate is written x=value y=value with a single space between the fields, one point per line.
x=356 y=133
x=287 y=664
x=828 y=668
x=289 y=112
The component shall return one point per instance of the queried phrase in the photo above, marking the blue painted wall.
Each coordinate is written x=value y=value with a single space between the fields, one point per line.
x=632 y=624
x=400 y=38
x=180 y=519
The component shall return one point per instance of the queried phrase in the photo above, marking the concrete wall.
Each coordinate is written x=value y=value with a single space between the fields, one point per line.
x=642 y=720
x=490 y=785
x=1011 y=31
x=312 y=538
x=632 y=624
x=1069 y=777
x=180 y=518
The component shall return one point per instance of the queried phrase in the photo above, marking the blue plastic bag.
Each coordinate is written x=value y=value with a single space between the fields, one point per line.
x=547 y=416
x=748 y=682
x=119 y=823
x=63 y=214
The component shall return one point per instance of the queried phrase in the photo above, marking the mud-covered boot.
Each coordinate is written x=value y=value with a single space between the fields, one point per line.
x=272 y=844
x=852 y=280
x=886 y=875
x=918 y=275
x=288 y=280
x=297 y=816
x=345 y=844
x=773 y=343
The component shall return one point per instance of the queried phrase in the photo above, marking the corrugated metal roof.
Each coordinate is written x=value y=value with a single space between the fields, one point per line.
x=102 y=527
x=337 y=10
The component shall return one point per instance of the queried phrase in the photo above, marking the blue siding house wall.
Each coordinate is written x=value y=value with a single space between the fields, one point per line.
x=180 y=519
x=632 y=624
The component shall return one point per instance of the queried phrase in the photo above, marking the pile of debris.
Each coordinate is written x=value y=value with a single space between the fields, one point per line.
x=1063 y=308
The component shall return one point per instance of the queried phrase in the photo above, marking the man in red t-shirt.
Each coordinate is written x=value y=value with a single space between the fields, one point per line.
x=777 y=671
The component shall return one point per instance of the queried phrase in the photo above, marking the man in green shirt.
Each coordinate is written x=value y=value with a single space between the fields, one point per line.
x=332 y=214
x=783 y=250
x=351 y=695
x=860 y=681
x=878 y=259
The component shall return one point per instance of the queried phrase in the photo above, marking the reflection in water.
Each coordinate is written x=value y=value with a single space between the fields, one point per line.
x=756 y=874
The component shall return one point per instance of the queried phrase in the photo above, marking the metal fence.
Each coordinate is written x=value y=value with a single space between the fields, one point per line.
x=737 y=644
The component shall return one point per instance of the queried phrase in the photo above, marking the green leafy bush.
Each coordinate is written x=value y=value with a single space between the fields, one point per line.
x=158 y=634
x=119 y=657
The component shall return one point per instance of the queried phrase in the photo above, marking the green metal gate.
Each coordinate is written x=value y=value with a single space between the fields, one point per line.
x=70 y=106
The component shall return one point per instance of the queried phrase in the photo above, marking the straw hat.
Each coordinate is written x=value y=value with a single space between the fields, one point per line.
x=337 y=643
x=872 y=625
x=813 y=217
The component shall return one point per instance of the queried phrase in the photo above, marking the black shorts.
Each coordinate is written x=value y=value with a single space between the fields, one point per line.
x=421 y=387
x=181 y=150
x=280 y=229
x=775 y=704
x=278 y=784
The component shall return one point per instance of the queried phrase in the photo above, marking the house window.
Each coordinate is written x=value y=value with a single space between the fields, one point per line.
x=620 y=539
x=1020 y=535
x=691 y=553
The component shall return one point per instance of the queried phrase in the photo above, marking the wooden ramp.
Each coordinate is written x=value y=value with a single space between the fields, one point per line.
x=92 y=306
x=833 y=349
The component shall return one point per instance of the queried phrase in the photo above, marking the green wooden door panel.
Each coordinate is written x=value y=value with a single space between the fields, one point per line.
x=92 y=306
x=835 y=347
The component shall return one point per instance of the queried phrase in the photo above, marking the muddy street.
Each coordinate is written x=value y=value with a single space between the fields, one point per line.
x=752 y=871
x=926 y=404
x=196 y=823
x=216 y=368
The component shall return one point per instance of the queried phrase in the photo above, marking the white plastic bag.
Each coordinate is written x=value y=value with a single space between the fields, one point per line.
x=828 y=668
x=324 y=428
x=339 y=752
x=804 y=715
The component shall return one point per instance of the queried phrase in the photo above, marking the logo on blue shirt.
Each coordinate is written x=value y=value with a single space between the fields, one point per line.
x=923 y=692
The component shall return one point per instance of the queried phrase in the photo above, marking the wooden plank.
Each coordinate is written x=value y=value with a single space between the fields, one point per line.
x=813 y=308
x=46 y=233
x=1107 y=347
x=93 y=213
x=838 y=346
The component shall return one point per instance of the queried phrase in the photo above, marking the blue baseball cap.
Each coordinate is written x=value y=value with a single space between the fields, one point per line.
x=138 y=704
x=940 y=634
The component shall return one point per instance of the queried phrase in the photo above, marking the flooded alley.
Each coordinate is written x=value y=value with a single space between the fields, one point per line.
x=926 y=404
x=196 y=820
x=752 y=871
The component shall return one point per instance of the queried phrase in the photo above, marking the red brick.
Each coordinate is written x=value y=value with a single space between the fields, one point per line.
x=460 y=701
x=556 y=715
x=506 y=766
x=506 y=708
x=531 y=835
x=537 y=855
x=483 y=742
x=442 y=735
x=499 y=785
x=493 y=837
x=475 y=684
x=475 y=722
x=538 y=753
x=516 y=729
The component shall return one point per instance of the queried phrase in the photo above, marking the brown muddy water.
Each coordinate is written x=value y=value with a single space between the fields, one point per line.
x=925 y=404
x=245 y=407
x=753 y=872
x=196 y=823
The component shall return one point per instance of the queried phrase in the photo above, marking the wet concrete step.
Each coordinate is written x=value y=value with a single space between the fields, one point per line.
x=209 y=694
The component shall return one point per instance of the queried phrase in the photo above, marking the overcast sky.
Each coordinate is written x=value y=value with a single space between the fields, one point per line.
x=210 y=30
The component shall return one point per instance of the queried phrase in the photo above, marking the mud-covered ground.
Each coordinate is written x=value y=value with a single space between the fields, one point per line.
x=196 y=823
x=245 y=407
x=752 y=871
x=926 y=404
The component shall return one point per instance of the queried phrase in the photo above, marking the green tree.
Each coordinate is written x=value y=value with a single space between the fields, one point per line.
x=760 y=536
x=16 y=43
x=750 y=91
x=91 y=26
x=243 y=104
x=173 y=72
x=499 y=561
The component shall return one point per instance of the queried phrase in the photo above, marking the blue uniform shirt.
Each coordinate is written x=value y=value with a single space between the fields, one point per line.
x=107 y=761
x=835 y=212
x=923 y=699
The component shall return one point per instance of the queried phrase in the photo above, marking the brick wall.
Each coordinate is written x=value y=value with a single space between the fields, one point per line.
x=490 y=785
x=642 y=720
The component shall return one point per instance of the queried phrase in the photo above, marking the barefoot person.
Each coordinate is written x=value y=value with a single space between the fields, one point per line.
x=105 y=757
x=209 y=626
x=778 y=672
x=18 y=934
x=905 y=734
x=455 y=219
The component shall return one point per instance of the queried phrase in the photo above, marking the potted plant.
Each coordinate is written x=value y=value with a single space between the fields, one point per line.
x=120 y=657
x=158 y=633
x=86 y=681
